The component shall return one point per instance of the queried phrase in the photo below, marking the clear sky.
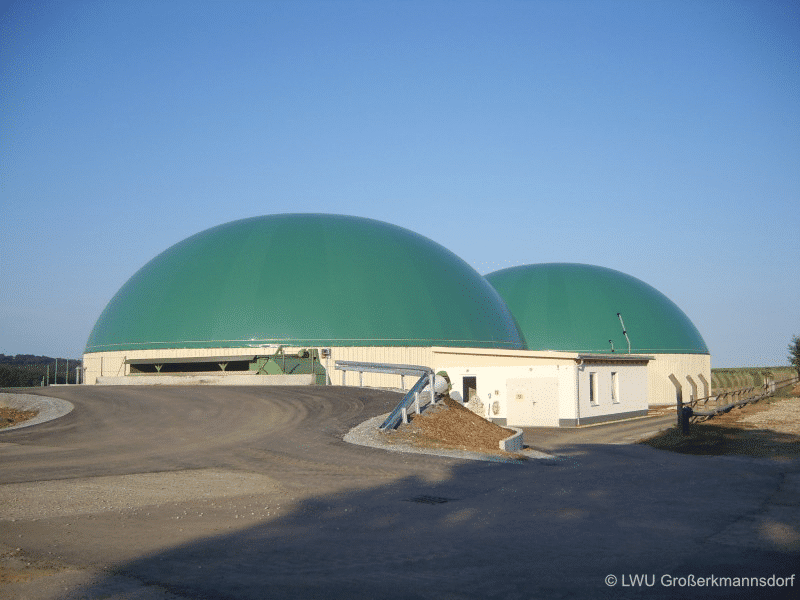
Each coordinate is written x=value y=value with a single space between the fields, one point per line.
x=658 y=138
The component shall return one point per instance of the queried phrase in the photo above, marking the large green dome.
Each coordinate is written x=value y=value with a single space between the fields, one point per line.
x=305 y=279
x=573 y=307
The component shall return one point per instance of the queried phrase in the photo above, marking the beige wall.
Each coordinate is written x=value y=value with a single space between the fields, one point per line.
x=112 y=364
x=692 y=371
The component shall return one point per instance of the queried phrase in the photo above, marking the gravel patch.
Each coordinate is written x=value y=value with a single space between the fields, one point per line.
x=367 y=434
x=94 y=495
x=49 y=408
x=782 y=417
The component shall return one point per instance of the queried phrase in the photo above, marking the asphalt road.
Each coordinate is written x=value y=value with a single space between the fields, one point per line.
x=209 y=492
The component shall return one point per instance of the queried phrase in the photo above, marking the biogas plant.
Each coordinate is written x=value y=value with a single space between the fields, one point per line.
x=284 y=299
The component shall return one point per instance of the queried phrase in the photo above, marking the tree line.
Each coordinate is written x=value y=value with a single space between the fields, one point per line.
x=28 y=370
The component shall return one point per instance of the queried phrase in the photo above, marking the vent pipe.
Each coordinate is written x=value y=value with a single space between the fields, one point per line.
x=624 y=332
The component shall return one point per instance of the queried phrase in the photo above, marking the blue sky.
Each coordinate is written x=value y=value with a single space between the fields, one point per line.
x=661 y=139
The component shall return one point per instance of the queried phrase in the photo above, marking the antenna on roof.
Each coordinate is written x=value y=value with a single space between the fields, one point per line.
x=625 y=333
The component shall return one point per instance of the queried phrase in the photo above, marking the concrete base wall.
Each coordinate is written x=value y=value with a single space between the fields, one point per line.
x=602 y=419
x=513 y=443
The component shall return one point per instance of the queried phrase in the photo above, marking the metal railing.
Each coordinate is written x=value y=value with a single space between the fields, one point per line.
x=400 y=413
x=710 y=406
x=412 y=397
x=388 y=368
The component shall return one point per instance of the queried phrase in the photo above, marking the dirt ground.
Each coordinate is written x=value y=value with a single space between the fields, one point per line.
x=12 y=416
x=766 y=429
x=450 y=425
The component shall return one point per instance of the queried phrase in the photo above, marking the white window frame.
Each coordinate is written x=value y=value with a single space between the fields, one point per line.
x=593 y=397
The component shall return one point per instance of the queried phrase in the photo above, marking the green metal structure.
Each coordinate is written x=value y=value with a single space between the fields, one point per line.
x=302 y=362
x=305 y=280
x=585 y=308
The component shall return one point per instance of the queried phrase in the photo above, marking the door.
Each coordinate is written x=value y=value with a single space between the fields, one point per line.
x=470 y=389
x=532 y=402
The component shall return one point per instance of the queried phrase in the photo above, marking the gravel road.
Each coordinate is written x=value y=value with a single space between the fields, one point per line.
x=164 y=493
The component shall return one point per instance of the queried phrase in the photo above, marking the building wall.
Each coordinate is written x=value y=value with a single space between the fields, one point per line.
x=534 y=389
x=502 y=377
x=611 y=397
x=514 y=387
x=112 y=364
x=692 y=372
x=523 y=396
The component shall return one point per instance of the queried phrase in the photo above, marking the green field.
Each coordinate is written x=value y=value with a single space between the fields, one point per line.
x=742 y=377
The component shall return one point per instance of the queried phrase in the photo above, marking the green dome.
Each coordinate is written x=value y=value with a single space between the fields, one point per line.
x=572 y=307
x=305 y=279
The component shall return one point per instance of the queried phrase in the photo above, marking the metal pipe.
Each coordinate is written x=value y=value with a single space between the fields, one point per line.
x=624 y=332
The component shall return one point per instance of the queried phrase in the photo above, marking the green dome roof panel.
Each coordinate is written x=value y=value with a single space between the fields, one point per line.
x=305 y=279
x=573 y=307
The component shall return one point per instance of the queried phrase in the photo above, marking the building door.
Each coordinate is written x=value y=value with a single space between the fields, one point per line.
x=470 y=389
x=532 y=402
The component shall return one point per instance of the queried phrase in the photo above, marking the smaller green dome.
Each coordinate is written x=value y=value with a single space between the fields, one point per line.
x=573 y=308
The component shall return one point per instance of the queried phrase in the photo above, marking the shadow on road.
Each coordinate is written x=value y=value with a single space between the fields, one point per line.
x=543 y=529
x=718 y=440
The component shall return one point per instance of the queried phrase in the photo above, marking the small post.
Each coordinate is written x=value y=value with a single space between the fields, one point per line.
x=416 y=402
x=686 y=413
x=77 y=375
x=402 y=382
x=361 y=379
x=48 y=374
x=55 y=375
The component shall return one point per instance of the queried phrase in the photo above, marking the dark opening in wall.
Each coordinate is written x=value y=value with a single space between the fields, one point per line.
x=190 y=367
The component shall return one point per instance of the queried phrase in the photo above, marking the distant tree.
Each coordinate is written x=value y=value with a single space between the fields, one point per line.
x=794 y=353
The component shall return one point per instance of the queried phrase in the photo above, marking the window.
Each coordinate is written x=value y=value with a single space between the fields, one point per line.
x=593 y=389
x=614 y=387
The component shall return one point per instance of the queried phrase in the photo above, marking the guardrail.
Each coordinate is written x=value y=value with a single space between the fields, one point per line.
x=400 y=413
x=391 y=369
